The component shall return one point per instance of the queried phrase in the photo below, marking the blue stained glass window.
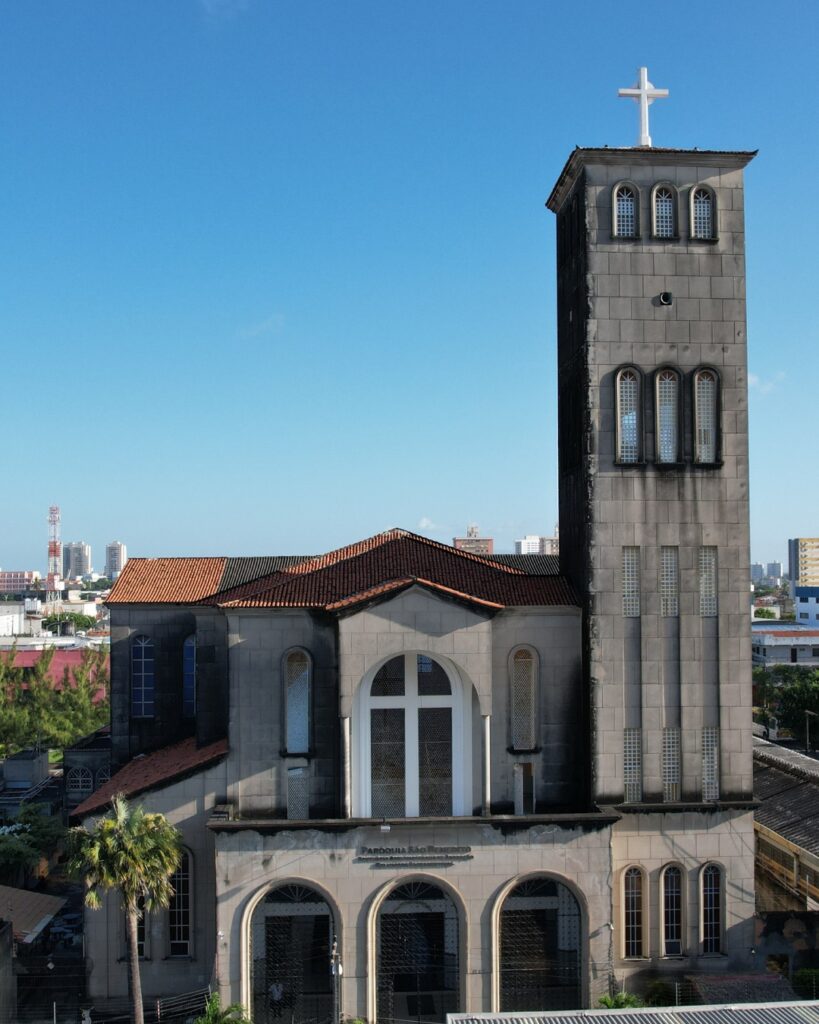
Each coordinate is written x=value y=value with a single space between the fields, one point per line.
x=189 y=677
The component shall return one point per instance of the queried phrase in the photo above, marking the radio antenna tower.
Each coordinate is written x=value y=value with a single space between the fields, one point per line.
x=55 y=550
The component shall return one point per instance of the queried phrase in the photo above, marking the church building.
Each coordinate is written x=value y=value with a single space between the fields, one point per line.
x=412 y=780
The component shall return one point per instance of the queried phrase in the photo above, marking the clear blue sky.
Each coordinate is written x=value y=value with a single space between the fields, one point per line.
x=275 y=276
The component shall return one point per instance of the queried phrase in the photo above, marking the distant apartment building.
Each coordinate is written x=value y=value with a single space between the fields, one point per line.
x=757 y=572
x=774 y=570
x=806 y=605
x=17 y=582
x=474 y=543
x=76 y=559
x=803 y=562
x=533 y=544
x=116 y=555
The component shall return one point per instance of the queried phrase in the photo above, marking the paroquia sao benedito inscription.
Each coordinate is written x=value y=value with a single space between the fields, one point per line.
x=399 y=856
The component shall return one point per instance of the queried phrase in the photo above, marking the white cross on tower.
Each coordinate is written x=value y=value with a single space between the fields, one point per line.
x=644 y=93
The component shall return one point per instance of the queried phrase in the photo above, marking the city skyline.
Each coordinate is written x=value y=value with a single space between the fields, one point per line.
x=287 y=257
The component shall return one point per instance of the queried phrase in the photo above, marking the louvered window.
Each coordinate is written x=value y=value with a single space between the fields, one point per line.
x=523 y=701
x=633 y=908
x=629 y=428
x=671 y=765
x=708 y=581
x=702 y=214
x=631 y=582
x=705 y=417
x=632 y=765
x=297 y=672
x=710 y=763
x=711 y=909
x=625 y=212
x=664 y=226
x=672 y=912
x=668 y=416
x=669 y=582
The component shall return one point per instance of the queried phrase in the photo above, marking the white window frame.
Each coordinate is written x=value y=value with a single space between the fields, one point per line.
x=138 y=708
x=189 y=955
x=644 y=953
x=534 y=693
x=682 y=923
x=461 y=704
x=694 y=234
x=676 y=458
x=675 y=219
x=616 y=231
x=699 y=414
x=288 y=750
x=701 y=892
x=621 y=457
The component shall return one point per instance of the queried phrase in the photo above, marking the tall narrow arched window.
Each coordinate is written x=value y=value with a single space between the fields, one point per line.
x=142 y=677
x=625 y=210
x=706 y=417
x=703 y=214
x=523 y=703
x=629 y=427
x=179 y=909
x=711 y=883
x=189 y=677
x=667 y=405
x=633 y=913
x=297 y=672
x=664 y=211
x=672 y=909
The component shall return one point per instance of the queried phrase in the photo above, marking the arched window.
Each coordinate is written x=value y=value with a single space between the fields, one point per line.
x=711 y=885
x=703 y=214
x=523 y=703
x=629 y=416
x=664 y=211
x=633 y=913
x=413 y=741
x=625 y=210
x=706 y=417
x=142 y=677
x=103 y=776
x=79 y=783
x=179 y=909
x=297 y=673
x=671 y=882
x=189 y=677
x=667 y=405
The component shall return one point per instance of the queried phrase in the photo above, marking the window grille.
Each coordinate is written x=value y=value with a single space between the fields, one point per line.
x=668 y=416
x=435 y=761
x=142 y=929
x=142 y=677
x=703 y=213
x=79 y=782
x=523 y=700
x=664 y=226
x=189 y=677
x=628 y=416
x=297 y=682
x=708 y=581
x=705 y=416
x=669 y=582
x=626 y=212
x=710 y=763
x=631 y=582
x=387 y=747
x=711 y=909
x=179 y=909
x=633 y=886
x=103 y=776
x=672 y=912
x=298 y=793
x=632 y=765
x=389 y=679
x=671 y=765
x=432 y=680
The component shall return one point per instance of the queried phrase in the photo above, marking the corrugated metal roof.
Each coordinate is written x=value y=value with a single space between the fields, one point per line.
x=746 y=1013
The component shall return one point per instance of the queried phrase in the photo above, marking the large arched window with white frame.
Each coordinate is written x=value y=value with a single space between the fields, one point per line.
x=180 y=908
x=142 y=677
x=711 y=908
x=413 y=740
x=297 y=700
x=703 y=214
x=664 y=210
x=706 y=416
x=628 y=413
x=667 y=405
x=633 y=913
x=523 y=701
x=625 y=210
x=671 y=906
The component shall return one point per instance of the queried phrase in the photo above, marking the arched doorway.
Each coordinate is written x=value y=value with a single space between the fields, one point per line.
x=540 y=956
x=291 y=939
x=417 y=955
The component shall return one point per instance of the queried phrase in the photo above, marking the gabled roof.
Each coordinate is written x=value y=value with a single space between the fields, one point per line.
x=351 y=575
x=152 y=771
x=28 y=911
x=786 y=783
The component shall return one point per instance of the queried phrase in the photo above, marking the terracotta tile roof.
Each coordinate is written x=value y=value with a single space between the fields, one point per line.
x=152 y=771
x=167 y=580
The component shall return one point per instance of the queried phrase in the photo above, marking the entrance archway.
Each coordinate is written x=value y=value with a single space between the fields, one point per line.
x=417 y=956
x=291 y=938
x=540 y=954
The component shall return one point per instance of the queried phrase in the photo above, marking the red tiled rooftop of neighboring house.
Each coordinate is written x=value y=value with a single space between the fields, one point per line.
x=342 y=578
x=152 y=771
x=62 y=660
x=805 y=634
x=167 y=580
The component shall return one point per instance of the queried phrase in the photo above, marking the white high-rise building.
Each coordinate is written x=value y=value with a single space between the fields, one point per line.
x=528 y=545
x=76 y=559
x=116 y=555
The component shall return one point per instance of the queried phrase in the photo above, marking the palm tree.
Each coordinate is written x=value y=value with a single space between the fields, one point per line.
x=136 y=853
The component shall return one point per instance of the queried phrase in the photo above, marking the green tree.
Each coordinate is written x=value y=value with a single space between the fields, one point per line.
x=797 y=697
x=214 y=1014
x=620 y=1001
x=53 y=622
x=134 y=853
x=764 y=613
x=23 y=842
